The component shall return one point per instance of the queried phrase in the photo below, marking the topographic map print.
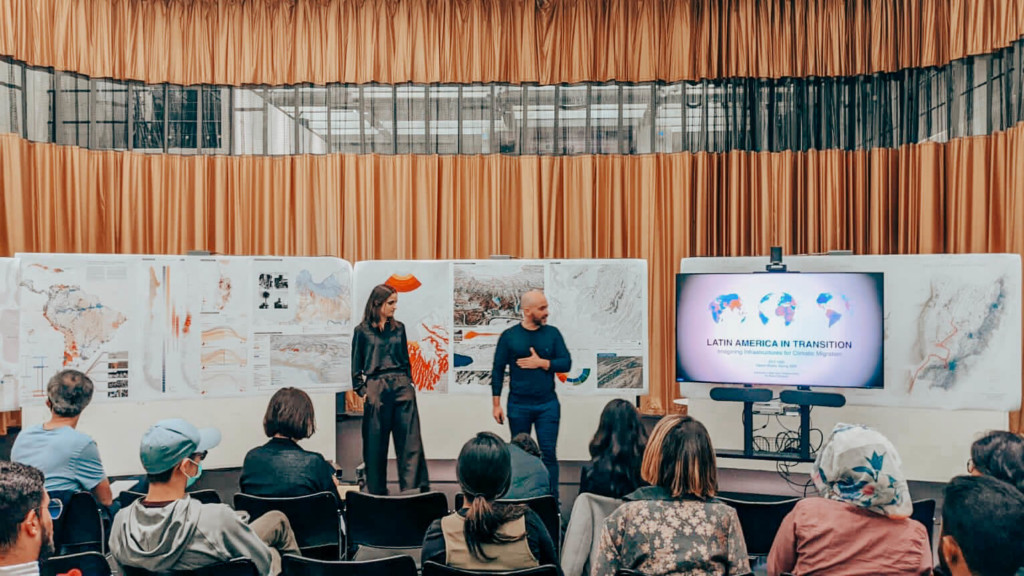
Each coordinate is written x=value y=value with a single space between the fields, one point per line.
x=955 y=330
x=309 y=360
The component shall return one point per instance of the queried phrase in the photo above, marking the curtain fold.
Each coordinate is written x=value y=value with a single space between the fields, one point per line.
x=963 y=196
x=547 y=41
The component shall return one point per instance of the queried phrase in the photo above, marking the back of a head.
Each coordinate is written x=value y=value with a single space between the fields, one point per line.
x=1000 y=454
x=290 y=414
x=69 y=392
x=21 y=491
x=484 y=470
x=985 y=517
x=688 y=465
x=651 y=463
x=526 y=443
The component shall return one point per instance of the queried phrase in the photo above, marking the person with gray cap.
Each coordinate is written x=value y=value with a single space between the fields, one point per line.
x=69 y=459
x=167 y=530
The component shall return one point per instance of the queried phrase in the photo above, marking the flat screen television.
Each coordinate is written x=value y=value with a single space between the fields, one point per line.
x=781 y=329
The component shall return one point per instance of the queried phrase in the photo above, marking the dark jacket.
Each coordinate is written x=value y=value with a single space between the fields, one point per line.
x=529 y=476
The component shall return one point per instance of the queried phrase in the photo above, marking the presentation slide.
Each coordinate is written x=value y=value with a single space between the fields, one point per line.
x=780 y=329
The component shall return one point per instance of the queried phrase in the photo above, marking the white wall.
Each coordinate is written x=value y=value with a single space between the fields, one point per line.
x=934 y=444
x=118 y=427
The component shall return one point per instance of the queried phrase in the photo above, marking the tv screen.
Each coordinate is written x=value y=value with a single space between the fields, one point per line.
x=785 y=329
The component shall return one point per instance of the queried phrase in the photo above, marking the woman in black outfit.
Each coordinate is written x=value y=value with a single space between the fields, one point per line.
x=615 y=452
x=381 y=373
x=282 y=468
x=488 y=535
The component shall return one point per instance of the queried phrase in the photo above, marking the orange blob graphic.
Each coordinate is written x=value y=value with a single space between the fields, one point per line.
x=403 y=282
x=427 y=372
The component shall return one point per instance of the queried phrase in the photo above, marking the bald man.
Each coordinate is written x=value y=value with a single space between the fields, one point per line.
x=534 y=352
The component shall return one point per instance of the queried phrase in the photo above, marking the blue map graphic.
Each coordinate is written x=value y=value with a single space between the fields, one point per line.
x=834 y=306
x=774 y=305
x=724 y=304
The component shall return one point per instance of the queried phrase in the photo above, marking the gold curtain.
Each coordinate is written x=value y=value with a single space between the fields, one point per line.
x=547 y=41
x=964 y=196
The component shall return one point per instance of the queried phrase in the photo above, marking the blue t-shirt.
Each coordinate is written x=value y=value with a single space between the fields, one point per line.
x=68 y=459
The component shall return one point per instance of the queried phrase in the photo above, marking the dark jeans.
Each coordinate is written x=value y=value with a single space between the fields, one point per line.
x=390 y=410
x=546 y=417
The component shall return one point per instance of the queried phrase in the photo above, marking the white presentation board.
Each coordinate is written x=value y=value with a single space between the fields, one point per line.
x=454 y=311
x=952 y=332
x=150 y=328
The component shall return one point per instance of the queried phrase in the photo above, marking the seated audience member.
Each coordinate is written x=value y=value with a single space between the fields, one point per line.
x=168 y=531
x=530 y=477
x=488 y=535
x=982 y=528
x=26 y=528
x=281 y=467
x=999 y=454
x=676 y=525
x=69 y=459
x=615 y=452
x=861 y=524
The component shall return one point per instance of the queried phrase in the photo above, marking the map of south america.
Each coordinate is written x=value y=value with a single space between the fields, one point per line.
x=82 y=319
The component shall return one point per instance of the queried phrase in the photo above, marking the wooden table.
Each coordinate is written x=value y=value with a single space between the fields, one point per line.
x=9 y=419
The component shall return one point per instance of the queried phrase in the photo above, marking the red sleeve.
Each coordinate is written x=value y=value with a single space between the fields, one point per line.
x=782 y=557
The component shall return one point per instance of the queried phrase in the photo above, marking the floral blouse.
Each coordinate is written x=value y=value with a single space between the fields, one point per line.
x=663 y=536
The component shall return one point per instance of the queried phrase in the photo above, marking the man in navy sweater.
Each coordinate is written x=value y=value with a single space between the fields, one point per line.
x=534 y=352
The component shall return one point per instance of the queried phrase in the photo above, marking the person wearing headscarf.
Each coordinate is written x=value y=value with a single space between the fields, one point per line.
x=860 y=526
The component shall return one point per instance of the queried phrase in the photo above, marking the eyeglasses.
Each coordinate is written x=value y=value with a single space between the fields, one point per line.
x=56 y=508
x=970 y=466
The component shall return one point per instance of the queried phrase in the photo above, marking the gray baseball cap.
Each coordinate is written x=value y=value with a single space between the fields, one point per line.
x=168 y=442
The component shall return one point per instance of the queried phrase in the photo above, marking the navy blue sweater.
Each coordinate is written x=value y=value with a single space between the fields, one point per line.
x=529 y=386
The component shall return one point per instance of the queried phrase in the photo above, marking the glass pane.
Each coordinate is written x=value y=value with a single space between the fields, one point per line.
x=508 y=117
x=347 y=123
x=39 y=99
x=74 y=111
x=604 y=119
x=378 y=105
x=572 y=120
x=215 y=99
x=637 y=119
x=540 y=120
x=444 y=119
x=411 y=120
x=247 y=121
x=11 y=97
x=109 y=129
x=148 y=118
x=282 y=110
x=669 y=123
x=182 y=119
x=476 y=120
x=314 y=136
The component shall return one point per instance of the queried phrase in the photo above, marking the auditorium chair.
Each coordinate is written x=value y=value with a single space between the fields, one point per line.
x=81 y=526
x=924 y=512
x=401 y=565
x=314 y=518
x=431 y=568
x=87 y=564
x=233 y=567
x=206 y=496
x=390 y=524
x=544 y=506
x=760 y=521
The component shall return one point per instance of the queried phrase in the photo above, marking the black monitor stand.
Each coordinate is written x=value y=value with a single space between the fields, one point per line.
x=802 y=397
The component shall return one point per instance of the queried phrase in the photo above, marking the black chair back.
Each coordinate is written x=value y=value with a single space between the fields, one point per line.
x=373 y=520
x=315 y=520
x=760 y=522
x=88 y=563
x=233 y=567
x=403 y=565
x=924 y=512
x=80 y=527
x=544 y=506
x=206 y=496
x=431 y=568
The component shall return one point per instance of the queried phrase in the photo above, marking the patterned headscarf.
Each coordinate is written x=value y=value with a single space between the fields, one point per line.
x=859 y=466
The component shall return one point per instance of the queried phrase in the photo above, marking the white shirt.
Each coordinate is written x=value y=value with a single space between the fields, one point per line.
x=26 y=569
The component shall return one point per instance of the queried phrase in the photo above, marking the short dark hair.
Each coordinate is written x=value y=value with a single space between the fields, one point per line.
x=688 y=461
x=21 y=491
x=69 y=392
x=290 y=413
x=1000 y=454
x=986 y=518
x=526 y=443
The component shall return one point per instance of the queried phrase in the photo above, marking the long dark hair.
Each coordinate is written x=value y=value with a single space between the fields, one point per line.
x=485 y=471
x=1000 y=454
x=618 y=448
x=688 y=465
x=378 y=296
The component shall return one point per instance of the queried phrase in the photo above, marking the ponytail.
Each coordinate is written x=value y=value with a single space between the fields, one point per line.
x=484 y=519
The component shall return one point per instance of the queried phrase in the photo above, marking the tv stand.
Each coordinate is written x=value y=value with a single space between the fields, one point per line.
x=802 y=397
